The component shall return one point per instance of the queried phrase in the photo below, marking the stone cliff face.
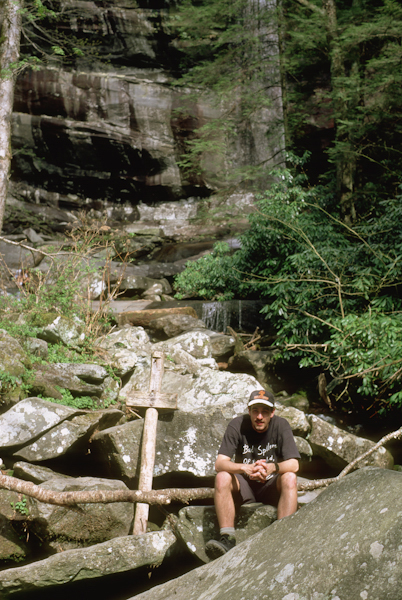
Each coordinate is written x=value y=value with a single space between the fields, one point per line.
x=106 y=127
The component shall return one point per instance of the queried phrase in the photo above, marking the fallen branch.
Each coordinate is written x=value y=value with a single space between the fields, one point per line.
x=28 y=488
x=317 y=483
x=166 y=496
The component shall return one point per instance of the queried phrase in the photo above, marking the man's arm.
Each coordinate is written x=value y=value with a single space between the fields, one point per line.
x=286 y=466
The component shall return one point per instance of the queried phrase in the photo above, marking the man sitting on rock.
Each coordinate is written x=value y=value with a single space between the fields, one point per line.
x=265 y=467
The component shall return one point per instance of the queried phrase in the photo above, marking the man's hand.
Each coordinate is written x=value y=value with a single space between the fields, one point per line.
x=260 y=470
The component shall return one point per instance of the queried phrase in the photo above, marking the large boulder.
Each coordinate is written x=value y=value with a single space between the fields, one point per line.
x=17 y=427
x=256 y=362
x=296 y=418
x=346 y=544
x=68 y=331
x=338 y=447
x=119 y=555
x=80 y=379
x=13 y=358
x=69 y=434
x=128 y=337
x=185 y=444
x=17 y=258
x=35 y=473
x=196 y=343
x=174 y=325
x=204 y=392
x=61 y=528
x=197 y=525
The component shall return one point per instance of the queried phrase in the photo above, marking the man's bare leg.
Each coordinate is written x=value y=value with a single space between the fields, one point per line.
x=226 y=485
x=287 y=485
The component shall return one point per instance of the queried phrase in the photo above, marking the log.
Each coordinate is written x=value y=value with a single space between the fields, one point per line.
x=28 y=488
x=144 y=317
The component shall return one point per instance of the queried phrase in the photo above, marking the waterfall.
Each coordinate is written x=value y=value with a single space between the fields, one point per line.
x=218 y=315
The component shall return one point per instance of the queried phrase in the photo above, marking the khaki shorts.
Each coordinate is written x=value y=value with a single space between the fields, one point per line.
x=253 y=491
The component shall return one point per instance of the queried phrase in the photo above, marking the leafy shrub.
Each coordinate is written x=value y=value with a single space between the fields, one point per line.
x=210 y=277
x=331 y=291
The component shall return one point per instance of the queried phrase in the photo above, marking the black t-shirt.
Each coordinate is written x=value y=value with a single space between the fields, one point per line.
x=276 y=444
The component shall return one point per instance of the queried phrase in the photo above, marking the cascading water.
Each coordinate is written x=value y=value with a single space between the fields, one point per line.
x=219 y=315
x=241 y=315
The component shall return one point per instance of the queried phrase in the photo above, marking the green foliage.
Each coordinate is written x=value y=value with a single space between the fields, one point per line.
x=331 y=291
x=347 y=67
x=365 y=353
x=62 y=290
x=209 y=278
x=43 y=37
x=21 y=506
x=79 y=402
x=7 y=381
x=65 y=287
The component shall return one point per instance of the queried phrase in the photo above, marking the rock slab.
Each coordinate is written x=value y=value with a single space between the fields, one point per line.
x=114 y=556
x=345 y=545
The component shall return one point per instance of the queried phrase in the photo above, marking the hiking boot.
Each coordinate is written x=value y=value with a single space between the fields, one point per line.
x=216 y=548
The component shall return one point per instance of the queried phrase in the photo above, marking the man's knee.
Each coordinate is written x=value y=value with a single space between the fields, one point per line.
x=288 y=482
x=224 y=481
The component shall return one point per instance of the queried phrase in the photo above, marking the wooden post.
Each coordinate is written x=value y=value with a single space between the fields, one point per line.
x=153 y=400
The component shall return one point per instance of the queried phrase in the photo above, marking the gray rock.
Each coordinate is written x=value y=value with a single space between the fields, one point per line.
x=123 y=361
x=69 y=331
x=12 y=547
x=258 y=363
x=196 y=343
x=296 y=401
x=185 y=444
x=197 y=525
x=304 y=497
x=222 y=345
x=84 y=380
x=32 y=236
x=174 y=324
x=13 y=358
x=183 y=358
x=118 y=555
x=304 y=448
x=137 y=284
x=359 y=519
x=37 y=347
x=297 y=419
x=131 y=338
x=16 y=507
x=210 y=390
x=17 y=258
x=62 y=528
x=18 y=427
x=65 y=435
x=338 y=448
x=208 y=362
x=35 y=473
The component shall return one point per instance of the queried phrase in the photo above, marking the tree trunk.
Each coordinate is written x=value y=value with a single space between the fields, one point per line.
x=9 y=55
x=346 y=163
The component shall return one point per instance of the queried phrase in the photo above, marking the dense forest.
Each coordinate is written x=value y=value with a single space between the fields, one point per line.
x=324 y=246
